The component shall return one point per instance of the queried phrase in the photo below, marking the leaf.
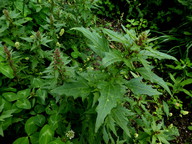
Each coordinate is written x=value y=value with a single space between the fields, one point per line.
x=1 y=131
x=57 y=141
x=76 y=89
x=156 y=54
x=6 y=70
x=98 y=43
x=30 y=126
x=23 y=93
x=46 y=135
x=10 y=96
x=111 y=57
x=115 y=36
x=119 y=114
x=166 y=108
x=8 y=41
x=149 y=75
x=110 y=94
x=190 y=128
x=34 y=138
x=6 y=114
x=39 y=120
x=21 y=140
x=41 y=95
x=139 y=88
x=186 y=82
x=23 y=103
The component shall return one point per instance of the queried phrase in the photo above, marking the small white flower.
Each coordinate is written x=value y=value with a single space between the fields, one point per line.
x=70 y=134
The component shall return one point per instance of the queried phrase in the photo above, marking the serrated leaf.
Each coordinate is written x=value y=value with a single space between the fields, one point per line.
x=10 y=96
x=98 y=43
x=46 y=135
x=139 y=88
x=166 y=108
x=156 y=54
x=119 y=115
x=23 y=103
x=75 y=89
x=149 y=75
x=110 y=94
x=8 y=41
x=21 y=140
x=6 y=70
x=115 y=36
x=30 y=126
x=111 y=57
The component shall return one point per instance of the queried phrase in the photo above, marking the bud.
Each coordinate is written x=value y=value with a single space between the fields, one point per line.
x=184 y=112
x=27 y=58
x=170 y=126
x=58 y=44
x=136 y=135
x=170 y=114
x=61 y=32
x=177 y=104
x=17 y=45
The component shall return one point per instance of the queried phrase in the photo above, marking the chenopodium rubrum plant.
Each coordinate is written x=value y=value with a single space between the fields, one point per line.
x=119 y=101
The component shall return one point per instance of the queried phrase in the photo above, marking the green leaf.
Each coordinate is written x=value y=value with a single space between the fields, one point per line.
x=23 y=103
x=8 y=41
x=190 y=128
x=75 y=89
x=110 y=95
x=139 y=88
x=1 y=131
x=39 y=120
x=41 y=95
x=156 y=54
x=57 y=141
x=186 y=82
x=115 y=36
x=119 y=114
x=21 y=140
x=149 y=75
x=166 y=108
x=23 y=93
x=10 y=96
x=6 y=114
x=46 y=135
x=98 y=43
x=30 y=126
x=34 y=138
x=6 y=70
x=111 y=57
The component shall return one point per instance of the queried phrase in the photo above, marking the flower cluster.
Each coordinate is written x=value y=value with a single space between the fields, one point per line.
x=57 y=60
x=70 y=134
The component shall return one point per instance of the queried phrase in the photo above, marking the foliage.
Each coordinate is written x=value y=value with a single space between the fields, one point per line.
x=59 y=86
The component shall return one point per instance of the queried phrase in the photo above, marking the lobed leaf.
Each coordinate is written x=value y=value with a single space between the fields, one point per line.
x=110 y=94
x=139 y=88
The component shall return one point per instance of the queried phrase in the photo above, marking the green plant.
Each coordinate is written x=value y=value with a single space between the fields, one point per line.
x=115 y=93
